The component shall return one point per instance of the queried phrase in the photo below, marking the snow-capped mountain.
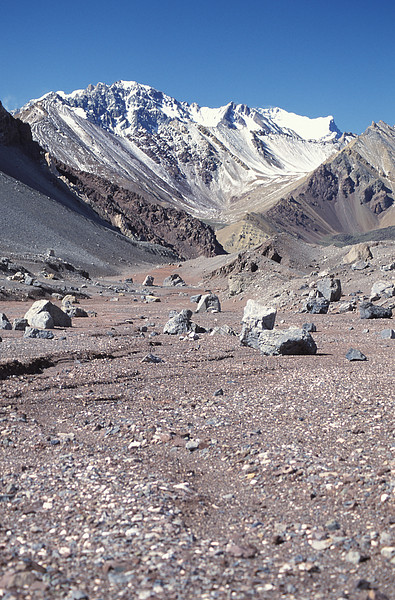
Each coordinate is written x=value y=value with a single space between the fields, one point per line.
x=214 y=162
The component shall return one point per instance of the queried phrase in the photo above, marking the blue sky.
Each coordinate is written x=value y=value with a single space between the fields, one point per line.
x=312 y=57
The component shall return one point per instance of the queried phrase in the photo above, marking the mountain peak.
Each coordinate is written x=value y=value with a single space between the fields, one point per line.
x=196 y=157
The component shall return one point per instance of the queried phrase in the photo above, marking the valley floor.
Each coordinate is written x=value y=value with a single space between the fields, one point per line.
x=125 y=479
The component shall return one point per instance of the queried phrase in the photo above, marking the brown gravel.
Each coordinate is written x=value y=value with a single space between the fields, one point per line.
x=124 y=479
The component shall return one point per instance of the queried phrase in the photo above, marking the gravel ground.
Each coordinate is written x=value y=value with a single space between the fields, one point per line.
x=217 y=473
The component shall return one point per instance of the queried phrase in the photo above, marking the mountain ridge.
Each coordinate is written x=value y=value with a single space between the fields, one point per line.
x=200 y=159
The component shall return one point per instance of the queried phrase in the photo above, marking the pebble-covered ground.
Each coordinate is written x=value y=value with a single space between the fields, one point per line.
x=218 y=473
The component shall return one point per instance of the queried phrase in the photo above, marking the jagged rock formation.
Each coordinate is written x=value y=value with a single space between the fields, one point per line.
x=141 y=220
x=211 y=162
x=13 y=132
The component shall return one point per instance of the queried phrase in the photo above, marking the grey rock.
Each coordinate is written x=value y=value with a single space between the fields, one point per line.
x=360 y=265
x=4 y=322
x=390 y=267
x=316 y=306
x=207 y=303
x=354 y=354
x=179 y=323
x=76 y=311
x=19 y=324
x=387 y=334
x=310 y=327
x=272 y=343
x=330 y=288
x=41 y=320
x=192 y=445
x=332 y=525
x=381 y=289
x=353 y=557
x=28 y=280
x=151 y=358
x=77 y=595
x=148 y=281
x=195 y=299
x=223 y=330
x=152 y=298
x=258 y=315
x=32 y=332
x=346 y=307
x=60 y=318
x=368 y=310
x=174 y=281
x=238 y=282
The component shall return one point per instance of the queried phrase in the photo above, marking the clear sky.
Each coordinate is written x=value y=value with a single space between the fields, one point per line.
x=312 y=57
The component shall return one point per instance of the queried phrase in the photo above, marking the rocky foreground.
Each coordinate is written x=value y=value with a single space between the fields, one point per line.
x=137 y=464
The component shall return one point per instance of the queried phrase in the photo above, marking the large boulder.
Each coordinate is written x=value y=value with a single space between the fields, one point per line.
x=357 y=253
x=272 y=343
x=179 y=323
x=258 y=315
x=368 y=310
x=59 y=317
x=207 y=303
x=174 y=281
x=330 y=288
x=256 y=318
x=42 y=320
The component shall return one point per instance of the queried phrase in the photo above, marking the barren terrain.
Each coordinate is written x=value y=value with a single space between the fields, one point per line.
x=217 y=473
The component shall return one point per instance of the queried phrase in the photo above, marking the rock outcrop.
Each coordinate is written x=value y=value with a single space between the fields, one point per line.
x=143 y=219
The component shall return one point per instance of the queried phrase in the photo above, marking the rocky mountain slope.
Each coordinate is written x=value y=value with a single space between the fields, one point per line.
x=39 y=212
x=352 y=192
x=139 y=219
x=94 y=199
x=214 y=163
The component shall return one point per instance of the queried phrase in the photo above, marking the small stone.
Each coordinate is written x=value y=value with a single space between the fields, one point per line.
x=353 y=557
x=151 y=298
x=219 y=392
x=388 y=552
x=148 y=281
x=321 y=544
x=360 y=265
x=77 y=595
x=4 y=322
x=309 y=327
x=363 y=584
x=332 y=525
x=192 y=445
x=354 y=354
x=387 y=334
x=19 y=324
x=151 y=358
